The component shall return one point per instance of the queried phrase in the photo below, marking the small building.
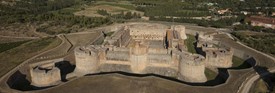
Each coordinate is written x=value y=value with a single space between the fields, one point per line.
x=262 y=21
x=223 y=11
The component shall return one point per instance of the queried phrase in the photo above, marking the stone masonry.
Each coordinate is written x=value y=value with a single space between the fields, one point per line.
x=143 y=48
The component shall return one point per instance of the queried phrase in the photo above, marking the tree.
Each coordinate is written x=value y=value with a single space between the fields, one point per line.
x=128 y=15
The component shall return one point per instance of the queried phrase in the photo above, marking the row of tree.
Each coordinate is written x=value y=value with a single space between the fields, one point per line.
x=122 y=15
x=221 y=23
x=33 y=11
x=253 y=28
x=264 y=43
x=172 y=6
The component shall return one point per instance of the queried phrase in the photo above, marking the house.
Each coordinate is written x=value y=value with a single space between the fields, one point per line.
x=223 y=11
x=262 y=21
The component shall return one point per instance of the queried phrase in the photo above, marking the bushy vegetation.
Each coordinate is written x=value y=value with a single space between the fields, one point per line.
x=35 y=11
x=170 y=8
x=206 y=23
x=103 y=12
x=264 y=43
x=117 y=3
x=253 y=6
x=253 y=28
x=183 y=9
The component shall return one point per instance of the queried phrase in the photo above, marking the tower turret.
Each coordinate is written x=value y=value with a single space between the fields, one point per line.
x=86 y=60
x=191 y=68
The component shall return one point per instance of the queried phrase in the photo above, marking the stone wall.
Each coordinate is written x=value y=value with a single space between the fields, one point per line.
x=148 y=31
x=115 y=67
x=86 y=60
x=99 y=40
x=181 y=31
x=163 y=71
x=45 y=76
x=241 y=54
x=118 y=55
x=191 y=68
x=159 y=58
x=157 y=51
x=218 y=57
x=119 y=38
x=147 y=53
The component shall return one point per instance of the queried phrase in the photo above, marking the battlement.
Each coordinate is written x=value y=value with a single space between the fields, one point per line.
x=181 y=30
x=146 y=49
x=191 y=67
x=214 y=52
x=148 y=31
x=205 y=36
x=85 y=51
x=204 y=44
x=219 y=57
x=192 y=59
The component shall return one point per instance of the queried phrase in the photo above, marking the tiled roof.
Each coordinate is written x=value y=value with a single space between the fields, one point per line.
x=266 y=20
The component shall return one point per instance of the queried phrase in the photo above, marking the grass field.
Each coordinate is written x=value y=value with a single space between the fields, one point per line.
x=210 y=75
x=13 y=57
x=82 y=39
x=110 y=7
x=110 y=33
x=123 y=4
x=260 y=87
x=239 y=63
x=189 y=42
x=8 y=46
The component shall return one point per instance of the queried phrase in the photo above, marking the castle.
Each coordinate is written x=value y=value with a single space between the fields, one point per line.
x=145 y=48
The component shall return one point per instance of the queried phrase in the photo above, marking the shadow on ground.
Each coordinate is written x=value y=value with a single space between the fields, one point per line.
x=20 y=82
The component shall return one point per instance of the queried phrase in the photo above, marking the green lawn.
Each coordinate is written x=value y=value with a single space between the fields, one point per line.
x=239 y=63
x=189 y=42
x=260 y=87
x=10 y=45
x=210 y=75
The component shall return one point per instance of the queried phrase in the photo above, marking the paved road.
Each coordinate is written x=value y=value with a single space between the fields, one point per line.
x=248 y=83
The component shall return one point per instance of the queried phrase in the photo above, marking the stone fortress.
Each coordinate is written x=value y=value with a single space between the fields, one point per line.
x=143 y=48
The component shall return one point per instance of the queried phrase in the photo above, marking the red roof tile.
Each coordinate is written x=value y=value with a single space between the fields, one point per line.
x=266 y=20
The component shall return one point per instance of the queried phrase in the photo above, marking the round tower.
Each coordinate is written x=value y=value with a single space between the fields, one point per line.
x=86 y=60
x=45 y=76
x=219 y=57
x=191 y=68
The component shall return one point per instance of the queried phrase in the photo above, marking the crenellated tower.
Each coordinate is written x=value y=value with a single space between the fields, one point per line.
x=86 y=60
